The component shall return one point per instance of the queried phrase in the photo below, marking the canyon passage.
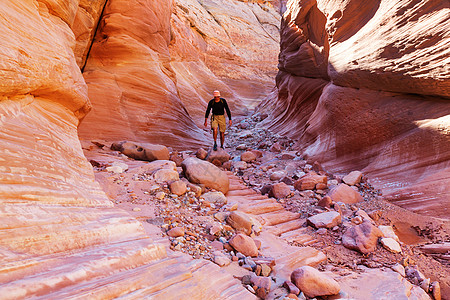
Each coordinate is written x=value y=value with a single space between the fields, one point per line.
x=334 y=180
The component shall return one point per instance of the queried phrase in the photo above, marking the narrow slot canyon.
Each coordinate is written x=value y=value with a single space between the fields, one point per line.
x=333 y=181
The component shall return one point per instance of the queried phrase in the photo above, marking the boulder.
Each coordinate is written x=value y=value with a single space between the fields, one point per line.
x=280 y=190
x=352 y=178
x=314 y=283
x=219 y=155
x=309 y=181
x=325 y=202
x=248 y=156
x=325 y=220
x=166 y=175
x=345 y=194
x=244 y=244
x=362 y=238
x=388 y=232
x=240 y=221
x=201 y=154
x=391 y=245
x=277 y=175
x=217 y=198
x=178 y=187
x=200 y=171
x=176 y=232
x=142 y=151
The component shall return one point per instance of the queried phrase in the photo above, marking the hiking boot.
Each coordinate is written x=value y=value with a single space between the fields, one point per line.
x=215 y=147
x=222 y=147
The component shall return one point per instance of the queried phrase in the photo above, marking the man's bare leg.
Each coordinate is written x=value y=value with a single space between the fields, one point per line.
x=222 y=138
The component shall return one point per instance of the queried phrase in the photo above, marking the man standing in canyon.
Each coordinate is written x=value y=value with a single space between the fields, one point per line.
x=218 y=106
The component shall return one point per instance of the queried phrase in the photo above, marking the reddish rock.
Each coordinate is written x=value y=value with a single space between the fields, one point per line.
x=325 y=220
x=325 y=202
x=362 y=238
x=352 y=178
x=248 y=156
x=201 y=153
x=240 y=221
x=314 y=283
x=309 y=181
x=218 y=198
x=176 y=232
x=199 y=171
x=244 y=244
x=257 y=153
x=142 y=151
x=178 y=187
x=220 y=155
x=291 y=287
x=279 y=190
x=276 y=147
x=345 y=194
x=176 y=158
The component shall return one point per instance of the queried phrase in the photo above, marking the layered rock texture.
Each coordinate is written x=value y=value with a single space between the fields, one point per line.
x=61 y=237
x=154 y=64
x=366 y=87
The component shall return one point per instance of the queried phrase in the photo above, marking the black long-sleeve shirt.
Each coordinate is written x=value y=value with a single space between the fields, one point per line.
x=218 y=108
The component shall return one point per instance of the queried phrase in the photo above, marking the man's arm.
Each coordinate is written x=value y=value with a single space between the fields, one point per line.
x=207 y=112
x=228 y=111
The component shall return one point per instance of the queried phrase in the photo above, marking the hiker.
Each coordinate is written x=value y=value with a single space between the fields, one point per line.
x=218 y=106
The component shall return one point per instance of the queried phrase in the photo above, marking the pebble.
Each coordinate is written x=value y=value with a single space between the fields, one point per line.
x=136 y=209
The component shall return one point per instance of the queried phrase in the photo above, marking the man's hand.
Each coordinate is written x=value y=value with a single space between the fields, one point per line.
x=206 y=122
x=230 y=122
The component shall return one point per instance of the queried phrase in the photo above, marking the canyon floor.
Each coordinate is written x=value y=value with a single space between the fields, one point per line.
x=285 y=237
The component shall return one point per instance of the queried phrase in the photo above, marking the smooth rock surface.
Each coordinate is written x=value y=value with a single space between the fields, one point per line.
x=199 y=171
x=244 y=244
x=345 y=194
x=314 y=283
x=362 y=238
x=325 y=220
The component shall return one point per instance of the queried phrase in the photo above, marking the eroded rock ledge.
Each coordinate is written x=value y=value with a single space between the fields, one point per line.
x=365 y=87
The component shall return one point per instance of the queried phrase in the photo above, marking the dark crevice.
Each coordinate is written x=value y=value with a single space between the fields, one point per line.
x=93 y=37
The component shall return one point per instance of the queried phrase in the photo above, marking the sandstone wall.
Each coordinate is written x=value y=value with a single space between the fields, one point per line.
x=154 y=64
x=60 y=236
x=365 y=85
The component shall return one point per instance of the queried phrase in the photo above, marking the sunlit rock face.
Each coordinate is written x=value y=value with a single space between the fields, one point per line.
x=154 y=64
x=60 y=236
x=365 y=85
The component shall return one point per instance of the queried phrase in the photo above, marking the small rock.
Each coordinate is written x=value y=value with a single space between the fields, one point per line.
x=178 y=187
x=176 y=232
x=136 y=209
x=248 y=156
x=309 y=181
x=218 y=198
x=239 y=165
x=241 y=147
x=435 y=290
x=314 y=283
x=240 y=221
x=280 y=190
x=388 y=232
x=325 y=220
x=275 y=176
x=399 y=269
x=352 y=178
x=425 y=284
x=265 y=270
x=276 y=148
x=166 y=175
x=244 y=244
x=291 y=287
x=391 y=245
x=325 y=202
x=321 y=231
x=222 y=260
x=362 y=237
x=344 y=193
x=201 y=153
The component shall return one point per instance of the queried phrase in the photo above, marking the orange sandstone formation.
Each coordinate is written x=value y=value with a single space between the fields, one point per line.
x=61 y=237
x=153 y=65
x=366 y=86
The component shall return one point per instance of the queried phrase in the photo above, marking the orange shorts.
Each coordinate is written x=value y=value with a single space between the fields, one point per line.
x=218 y=121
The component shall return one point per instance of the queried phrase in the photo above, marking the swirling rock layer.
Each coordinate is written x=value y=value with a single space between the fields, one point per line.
x=365 y=86
x=153 y=66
